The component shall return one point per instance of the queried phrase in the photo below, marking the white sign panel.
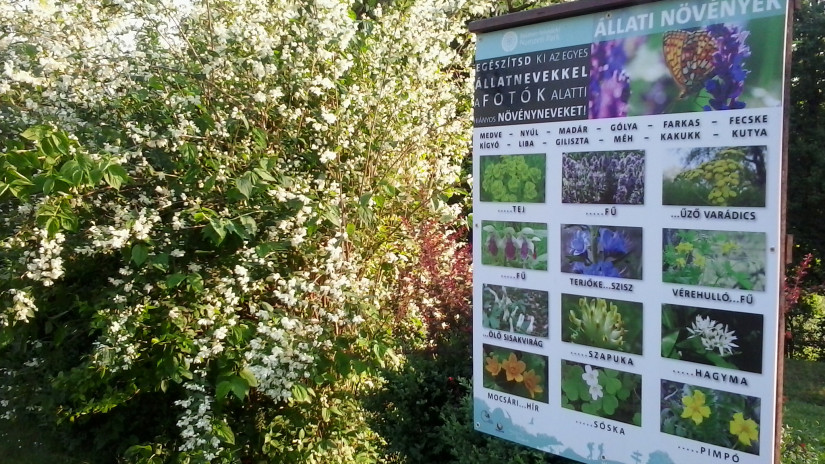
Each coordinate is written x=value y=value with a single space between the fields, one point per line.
x=627 y=170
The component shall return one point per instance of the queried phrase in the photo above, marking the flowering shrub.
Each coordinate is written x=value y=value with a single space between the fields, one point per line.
x=202 y=207
x=804 y=310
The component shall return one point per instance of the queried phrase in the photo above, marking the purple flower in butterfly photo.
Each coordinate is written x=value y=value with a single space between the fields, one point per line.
x=727 y=85
x=609 y=83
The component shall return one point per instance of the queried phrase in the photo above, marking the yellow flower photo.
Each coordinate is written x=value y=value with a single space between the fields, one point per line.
x=746 y=430
x=695 y=408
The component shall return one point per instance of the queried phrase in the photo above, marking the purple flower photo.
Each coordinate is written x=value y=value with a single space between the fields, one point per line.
x=603 y=177
x=603 y=251
x=609 y=83
x=728 y=83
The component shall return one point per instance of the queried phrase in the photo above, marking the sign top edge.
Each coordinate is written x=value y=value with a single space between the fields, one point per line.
x=552 y=12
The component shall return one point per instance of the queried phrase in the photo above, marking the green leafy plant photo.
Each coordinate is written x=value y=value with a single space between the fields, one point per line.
x=602 y=392
x=517 y=310
x=513 y=178
x=602 y=323
x=712 y=258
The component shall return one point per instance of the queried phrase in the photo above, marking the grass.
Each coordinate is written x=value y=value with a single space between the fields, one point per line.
x=805 y=407
x=25 y=443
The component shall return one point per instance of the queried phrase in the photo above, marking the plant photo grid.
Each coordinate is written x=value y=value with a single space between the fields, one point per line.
x=514 y=244
x=602 y=323
x=515 y=372
x=728 y=339
x=710 y=416
x=712 y=258
x=603 y=177
x=513 y=178
x=602 y=392
x=605 y=251
x=715 y=176
x=516 y=310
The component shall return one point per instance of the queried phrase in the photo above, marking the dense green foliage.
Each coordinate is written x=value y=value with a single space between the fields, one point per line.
x=212 y=214
x=806 y=166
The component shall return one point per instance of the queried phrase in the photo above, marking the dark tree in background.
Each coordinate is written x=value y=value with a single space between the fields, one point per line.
x=806 y=167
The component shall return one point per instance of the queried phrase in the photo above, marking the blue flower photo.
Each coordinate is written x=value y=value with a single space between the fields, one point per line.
x=603 y=251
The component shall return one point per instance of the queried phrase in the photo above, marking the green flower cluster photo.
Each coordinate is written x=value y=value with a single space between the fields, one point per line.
x=513 y=178
x=714 y=258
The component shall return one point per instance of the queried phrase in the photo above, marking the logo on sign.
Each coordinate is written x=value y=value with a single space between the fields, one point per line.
x=509 y=41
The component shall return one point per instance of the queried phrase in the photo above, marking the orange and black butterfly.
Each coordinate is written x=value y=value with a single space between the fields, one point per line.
x=689 y=57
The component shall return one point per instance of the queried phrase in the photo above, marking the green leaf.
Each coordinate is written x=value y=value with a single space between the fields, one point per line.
x=195 y=281
x=174 y=280
x=264 y=175
x=590 y=408
x=249 y=377
x=300 y=393
x=612 y=385
x=224 y=432
x=264 y=249
x=215 y=231
x=333 y=215
x=139 y=254
x=48 y=185
x=246 y=183
x=36 y=133
x=570 y=387
x=52 y=226
x=239 y=387
x=115 y=176
x=719 y=361
x=609 y=404
x=668 y=343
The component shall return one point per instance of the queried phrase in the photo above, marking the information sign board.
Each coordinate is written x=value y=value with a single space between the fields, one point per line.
x=628 y=231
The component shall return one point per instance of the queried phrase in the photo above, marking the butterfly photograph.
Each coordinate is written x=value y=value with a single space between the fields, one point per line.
x=709 y=68
x=690 y=57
